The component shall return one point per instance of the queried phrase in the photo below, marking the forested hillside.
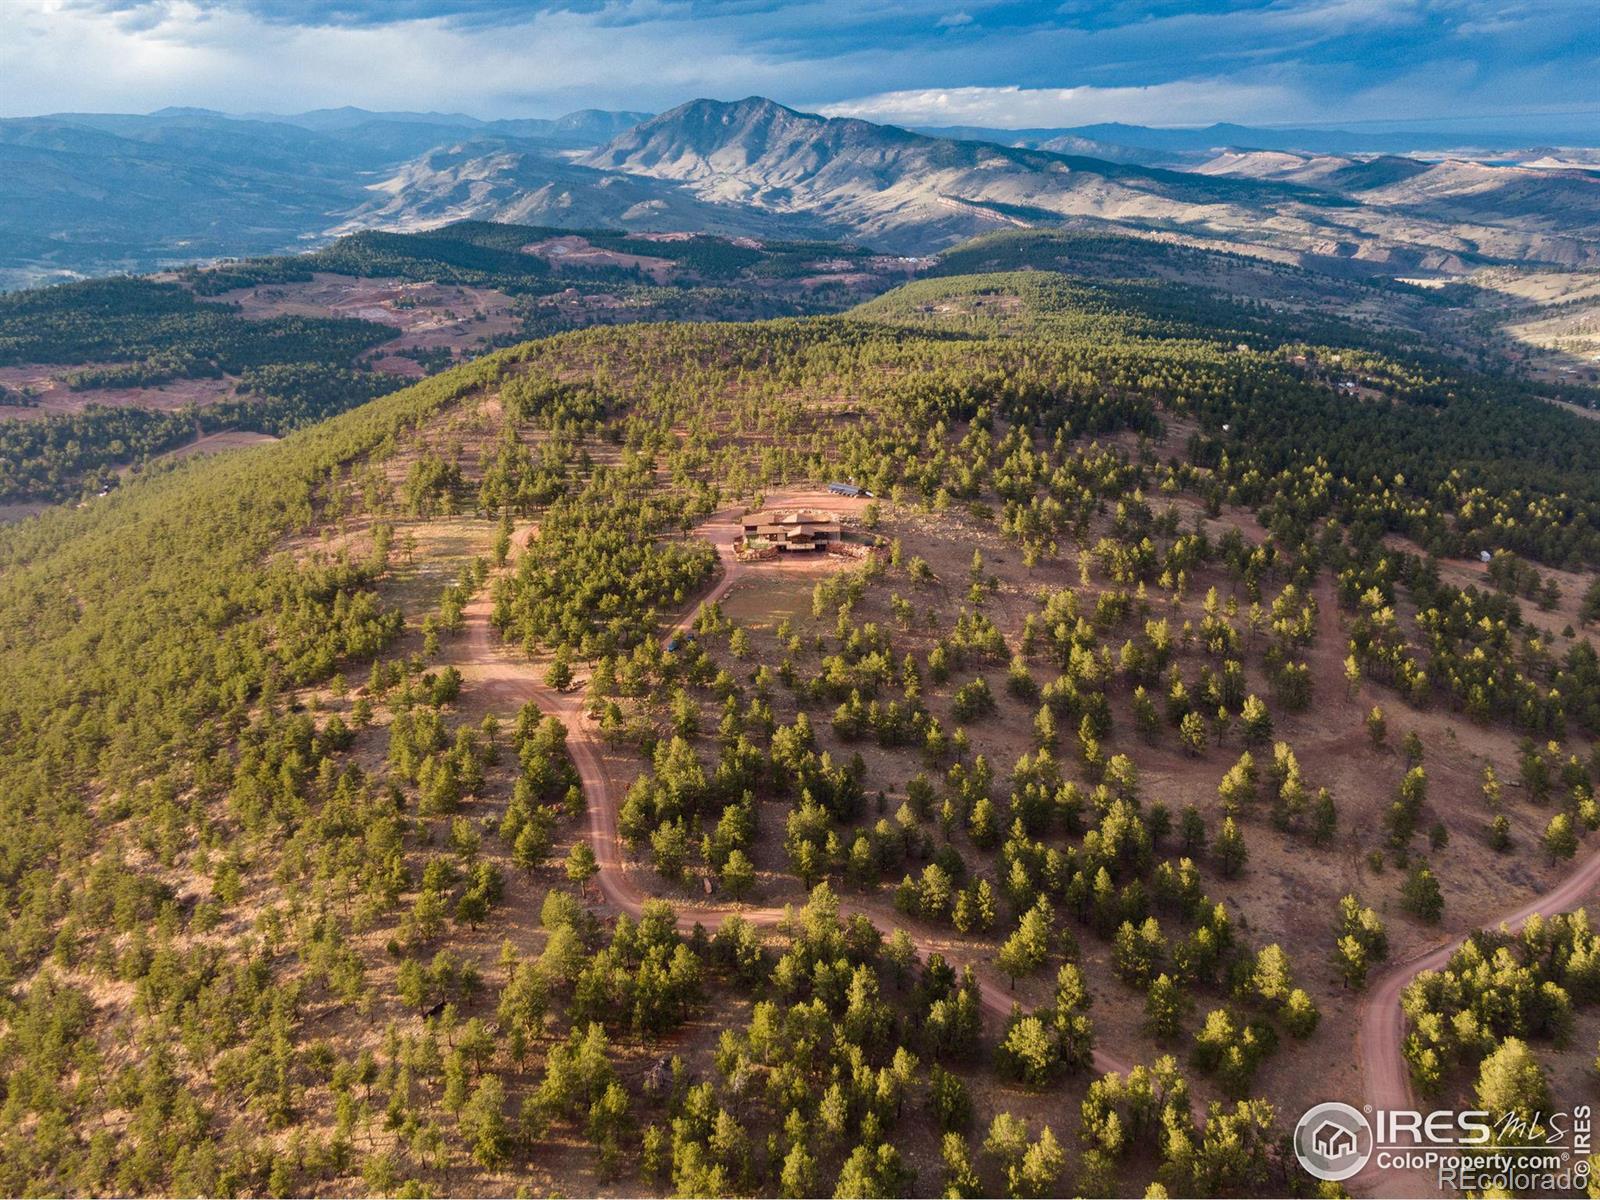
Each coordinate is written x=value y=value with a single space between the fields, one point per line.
x=389 y=816
x=100 y=377
x=533 y=260
x=137 y=333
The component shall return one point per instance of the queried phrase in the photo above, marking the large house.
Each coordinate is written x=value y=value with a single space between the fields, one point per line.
x=792 y=529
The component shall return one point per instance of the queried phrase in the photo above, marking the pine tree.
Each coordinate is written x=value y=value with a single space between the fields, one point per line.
x=1025 y=951
x=1420 y=895
x=1230 y=850
x=949 y=1100
x=1510 y=1080
x=1560 y=840
x=1191 y=830
x=1377 y=726
x=738 y=875
x=558 y=674
x=581 y=864
x=1256 y=721
x=960 y=1178
x=1500 y=833
x=1164 y=1007
x=1007 y=1142
x=483 y=1122
x=533 y=843
x=1300 y=1013
x=799 y=1175
x=1350 y=956
x=1039 y=1173
x=1324 y=818
x=1271 y=979
x=1027 y=1052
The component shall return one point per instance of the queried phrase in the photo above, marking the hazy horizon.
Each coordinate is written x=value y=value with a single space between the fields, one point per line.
x=1584 y=131
x=1273 y=63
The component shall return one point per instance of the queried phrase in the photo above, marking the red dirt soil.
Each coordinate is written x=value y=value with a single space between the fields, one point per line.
x=499 y=673
x=511 y=680
x=1378 y=1045
x=52 y=395
x=573 y=251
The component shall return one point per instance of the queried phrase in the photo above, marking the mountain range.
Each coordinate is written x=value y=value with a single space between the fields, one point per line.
x=90 y=193
x=1165 y=143
x=905 y=190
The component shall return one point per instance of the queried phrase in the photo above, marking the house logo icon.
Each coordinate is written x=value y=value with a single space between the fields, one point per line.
x=1333 y=1141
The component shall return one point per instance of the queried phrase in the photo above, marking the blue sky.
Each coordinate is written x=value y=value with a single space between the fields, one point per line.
x=1529 y=63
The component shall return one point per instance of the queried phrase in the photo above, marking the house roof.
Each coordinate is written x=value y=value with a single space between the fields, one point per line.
x=791 y=518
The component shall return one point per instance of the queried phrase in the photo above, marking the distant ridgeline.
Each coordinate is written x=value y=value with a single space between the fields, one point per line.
x=1166 y=288
x=296 y=370
x=485 y=254
x=1216 y=290
x=289 y=371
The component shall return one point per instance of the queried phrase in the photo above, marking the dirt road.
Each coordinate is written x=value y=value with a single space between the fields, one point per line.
x=1379 y=1040
x=504 y=676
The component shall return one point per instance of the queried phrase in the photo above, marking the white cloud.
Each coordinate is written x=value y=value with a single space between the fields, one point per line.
x=1146 y=61
x=1338 y=16
x=56 y=55
x=1187 y=102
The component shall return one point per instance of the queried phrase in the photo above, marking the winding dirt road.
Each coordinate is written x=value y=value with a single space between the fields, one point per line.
x=1380 y=1037
x=505 y=677
x=509 y=680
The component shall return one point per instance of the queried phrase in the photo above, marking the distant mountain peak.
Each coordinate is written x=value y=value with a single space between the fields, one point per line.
x=750 y=105
x=186 y=110
x=349 y=115
x=707 y=136
x=752 y=111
